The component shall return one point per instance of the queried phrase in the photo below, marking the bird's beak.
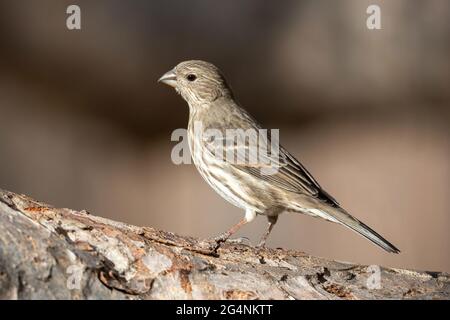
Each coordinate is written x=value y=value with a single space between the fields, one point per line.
x=169 y=78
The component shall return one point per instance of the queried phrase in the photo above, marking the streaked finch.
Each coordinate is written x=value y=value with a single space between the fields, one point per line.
x=290 y=187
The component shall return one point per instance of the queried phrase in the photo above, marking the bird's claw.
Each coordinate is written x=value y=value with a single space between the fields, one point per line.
x=214 y=244
x=220 y=239
x=210 y=245
x=240 y=240
x=261 y=245
x=217 y=241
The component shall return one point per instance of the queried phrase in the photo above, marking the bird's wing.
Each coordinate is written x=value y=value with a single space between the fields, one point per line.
x=292 y=176
x=278 y=168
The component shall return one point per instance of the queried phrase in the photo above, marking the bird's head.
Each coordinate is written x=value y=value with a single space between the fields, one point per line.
x=197 y=81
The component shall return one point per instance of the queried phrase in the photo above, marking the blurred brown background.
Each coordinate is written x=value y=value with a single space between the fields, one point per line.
x=83 y=123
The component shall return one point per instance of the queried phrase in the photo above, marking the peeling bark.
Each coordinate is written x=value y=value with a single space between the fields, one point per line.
x=52 y=253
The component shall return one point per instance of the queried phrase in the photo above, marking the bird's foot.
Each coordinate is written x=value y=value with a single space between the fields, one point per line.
x=241 y=240
x=214 y=243
x=261 y=245
x=221 y=238
x=209 y=245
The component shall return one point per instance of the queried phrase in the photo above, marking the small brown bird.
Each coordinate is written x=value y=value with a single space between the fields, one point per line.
x=288 y=188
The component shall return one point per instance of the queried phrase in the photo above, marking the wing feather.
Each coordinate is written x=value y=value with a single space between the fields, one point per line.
x=288 y=173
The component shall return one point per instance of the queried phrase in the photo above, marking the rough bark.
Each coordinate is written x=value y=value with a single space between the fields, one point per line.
x=51 y=253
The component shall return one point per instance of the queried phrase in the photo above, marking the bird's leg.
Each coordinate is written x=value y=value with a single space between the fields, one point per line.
x=224 y=236
x=272 y=221
x=250 y=215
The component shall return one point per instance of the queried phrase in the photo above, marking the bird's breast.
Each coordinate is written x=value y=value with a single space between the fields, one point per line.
x=232 y=184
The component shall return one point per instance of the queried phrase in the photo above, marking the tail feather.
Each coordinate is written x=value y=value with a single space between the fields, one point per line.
x=340 y=216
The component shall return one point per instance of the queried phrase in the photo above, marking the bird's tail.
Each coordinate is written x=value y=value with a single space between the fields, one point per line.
x=354 y=224
x=339 y=215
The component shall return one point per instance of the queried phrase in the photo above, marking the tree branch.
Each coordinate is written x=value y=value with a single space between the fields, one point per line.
x=51 y=253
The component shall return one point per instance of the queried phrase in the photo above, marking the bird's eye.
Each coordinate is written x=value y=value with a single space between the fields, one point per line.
x=191 y=77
